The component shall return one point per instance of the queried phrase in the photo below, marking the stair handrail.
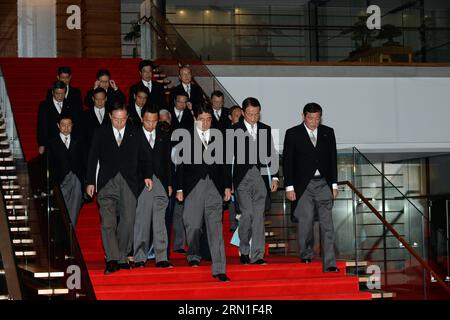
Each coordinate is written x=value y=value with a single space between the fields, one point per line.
x=8 y=257
x=159 y=24
x=422 y=262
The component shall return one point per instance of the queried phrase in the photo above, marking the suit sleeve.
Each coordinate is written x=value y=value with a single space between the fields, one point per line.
x=274 y=157
x=145 y=159
x=93 y=158
x=169 y=161
x=288 y=155
x=88 y=100
x=131 y=96
x=333 y=172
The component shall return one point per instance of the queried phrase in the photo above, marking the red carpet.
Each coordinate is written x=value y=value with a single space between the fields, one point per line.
x=284 y=278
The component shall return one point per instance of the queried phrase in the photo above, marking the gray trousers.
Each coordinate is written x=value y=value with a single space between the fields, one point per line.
x=73 y=197
x=116 y=199
x=251 y=196
x=205 y=202
x=179 y=233
x=316 y=196
x=151 y=213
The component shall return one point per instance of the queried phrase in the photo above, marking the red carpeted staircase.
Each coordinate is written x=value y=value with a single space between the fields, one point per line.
x=283 y=278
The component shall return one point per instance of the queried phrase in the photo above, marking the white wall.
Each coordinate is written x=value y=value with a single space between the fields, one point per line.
x=36 y=28
x=396 y=110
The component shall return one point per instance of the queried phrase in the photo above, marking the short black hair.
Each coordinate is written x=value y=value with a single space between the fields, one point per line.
x=218 y=94
x=118 y=106
x=64 y=115
x=58 y=85
x=149 y=108
x=64 y=69
x=103 y=72
x=250 y=101
x=234 y=108
x=202 y=108
x=180 y=93
x=98 y=90
x=141 y=89
x=146 y=63
x=312 y=107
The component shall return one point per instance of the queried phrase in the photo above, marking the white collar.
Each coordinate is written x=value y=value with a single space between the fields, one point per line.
x=219 y=112
x=63 y=137
x=148 y=133
x=205 y=133
x=147 y=83
x=56 y=103
x=116 y=132
x=310 y=131
x=249 y=126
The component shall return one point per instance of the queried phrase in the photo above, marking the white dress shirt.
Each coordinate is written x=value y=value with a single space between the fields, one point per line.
x=58 y=105
x=178 y=114
x=148 y=134
x=99 y=113
x=217 y=113
x=65 y=139
x=138 y=110
x=187 y=88
x=148 y=84
x=116 y=133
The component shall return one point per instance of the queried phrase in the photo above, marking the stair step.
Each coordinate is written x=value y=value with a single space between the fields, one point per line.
x=23 y=241
x=51 y=291
x=4 y=297
x=8 y=177
x=38 y=271
x=17 y=218
x=20 y=229
x=8 y=151
x=7 y=168
x=16 y=207
x=29 y=253
x=10 y=187
x=13 y=196
x=383 y=295
x=7 y=159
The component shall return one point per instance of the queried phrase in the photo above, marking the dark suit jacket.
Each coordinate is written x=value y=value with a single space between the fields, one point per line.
x=187 y=120
x=133 y=116
x=224 y=122
x=127 y=159
x=240 y=170
x=63 y=160
x=90 y=124
x=47 y=123
x=301 y=158
x=156 y=97
x=160 y=157
x=74 y=99
x=188 y=175
x=196 y=97
x=112 y=95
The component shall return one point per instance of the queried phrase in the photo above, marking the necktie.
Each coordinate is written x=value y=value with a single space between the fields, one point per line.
x=217 y=115
x=313 y=139
x=100 y=115
x=149 y=86
x=59 y=107
x=66 y=142
x=151 y=140
x=119 y=139
x=204 y=140
x=188 y=90
x=180 y=115
x=253 y=131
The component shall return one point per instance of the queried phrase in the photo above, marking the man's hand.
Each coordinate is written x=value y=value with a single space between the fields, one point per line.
x=179 y=196
x=41 y=149
x=148 y=184
x=291 y=195
x=96 y=84
x=189 y=105
x=113 y=84
x=335 y=193
x=227 y=195
x=274 y=187
x=90 y=189
x=170 y=189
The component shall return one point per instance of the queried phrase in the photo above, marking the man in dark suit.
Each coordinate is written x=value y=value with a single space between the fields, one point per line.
x=73 y=95
x=310 y=175
x=221 y=120
x=193 y=91
x=182 y=116
x=96 y=116
x=67 y=164
x=151 y=207
x=113 y=93
x=120 y=152
x=49 y=113
x=154 y=89
x=251 y=177
x=203 y=185
x=135 y=111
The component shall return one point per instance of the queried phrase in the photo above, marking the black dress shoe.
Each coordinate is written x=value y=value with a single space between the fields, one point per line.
x=111 y=266
x=164 y=264
x=194 y=263
x=306 y=260
x=260 y=261
x=125 y=266
x=244 y=259
x=140 y=264
x=180 y=251
x=222 y=277
x=332 y=269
